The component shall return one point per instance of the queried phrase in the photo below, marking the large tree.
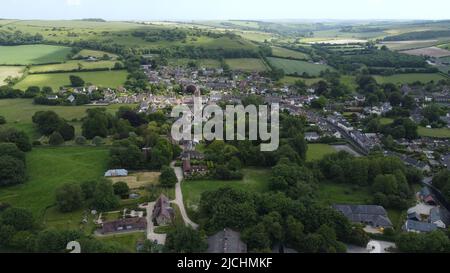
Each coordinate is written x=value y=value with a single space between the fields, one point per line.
x=69 y=197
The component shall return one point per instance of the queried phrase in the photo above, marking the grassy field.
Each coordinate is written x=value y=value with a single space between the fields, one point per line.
x=292 y=80
x=207 y=63
x=298 y=67
x=32 y=54
x=437 y=133
x=409 y=78
x=72 y=66
x=329 y=194
x=10 y=71
x=287 y=53
x=111 y=79
x=386 y=121
x=49 y=168
x=127 y=241
x=247 y=64
x=318 y=151
x=255 y=180
x=94 y=53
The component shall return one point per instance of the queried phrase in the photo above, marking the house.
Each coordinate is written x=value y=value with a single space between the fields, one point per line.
x=116 y=173
x=124 y=225
x=312 y=136
x=374 y=216
x=163 y=213
x=419 y=227
x=52 y=97
x=226 y=241
x=439 y=217
x=71 y=98
x=426 y=196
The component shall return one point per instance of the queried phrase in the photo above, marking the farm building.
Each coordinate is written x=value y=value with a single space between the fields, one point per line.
x=226 y=241
x=124 y=225
x=116 y=173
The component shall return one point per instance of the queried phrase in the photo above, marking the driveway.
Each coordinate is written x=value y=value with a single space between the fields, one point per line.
x=151 y=235
x=179 y=197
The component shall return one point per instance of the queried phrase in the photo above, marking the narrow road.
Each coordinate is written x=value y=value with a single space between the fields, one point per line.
x=179 y=197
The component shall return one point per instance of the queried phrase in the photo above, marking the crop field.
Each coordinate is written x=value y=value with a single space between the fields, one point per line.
x=32 y=54
x=247 y=64
x=292 y=67
x=406 y=45
x=10 y=71
x=287 y=53
x=111 y=79
x=428 y=51
x=48 y=168
x=409 y=78
x=72 y=66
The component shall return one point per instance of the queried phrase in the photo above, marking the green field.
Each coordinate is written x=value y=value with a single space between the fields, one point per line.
x=255 y=180
x=206 y=63
x=33 y=54
x=72 y=66
x=247 y=64
x=10 y=71
x=94 y=53
x=287 y=53
x=111 y=79
x=409 y=78
x=386 y=121
x=318 y=151
x=126 y=241
x=49 y=168
x=329 y=194
x=437 y=133
x=292 y=80
x=292 y=67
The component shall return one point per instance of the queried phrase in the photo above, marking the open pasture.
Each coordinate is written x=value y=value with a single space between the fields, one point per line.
x=32 y=54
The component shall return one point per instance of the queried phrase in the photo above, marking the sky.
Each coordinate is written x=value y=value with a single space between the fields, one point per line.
x=186 y=10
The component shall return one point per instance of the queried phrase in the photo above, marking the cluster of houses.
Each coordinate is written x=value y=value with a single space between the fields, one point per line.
x=427 y=215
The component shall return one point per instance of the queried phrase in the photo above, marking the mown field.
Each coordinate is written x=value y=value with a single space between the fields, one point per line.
x=10 y=71
x=111 y=79
x=32 y=54
x=72 y=66
x=247 y=64
x=291 y=67
x=49 y=168
x=437 y=133
x=409 y=78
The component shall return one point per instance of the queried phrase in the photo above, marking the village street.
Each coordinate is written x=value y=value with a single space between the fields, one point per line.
x=179 y=196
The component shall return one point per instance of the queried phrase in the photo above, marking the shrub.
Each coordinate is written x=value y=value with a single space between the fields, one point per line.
x=80 y=140
x=56 y=139
x=2 y=120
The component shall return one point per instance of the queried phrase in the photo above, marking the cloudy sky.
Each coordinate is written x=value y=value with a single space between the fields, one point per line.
x=224 y=9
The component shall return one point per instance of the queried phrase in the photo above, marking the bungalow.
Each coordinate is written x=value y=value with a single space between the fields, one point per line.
x=124 y=225
x=374 y=216
x=312 y=136
x=163 y=213
x=419 y=227
x=116 y=173
x=226 y=241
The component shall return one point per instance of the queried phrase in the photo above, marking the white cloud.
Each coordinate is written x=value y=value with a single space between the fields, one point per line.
x=73 y=3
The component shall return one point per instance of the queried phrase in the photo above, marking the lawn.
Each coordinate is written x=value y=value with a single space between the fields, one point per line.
x=386 y=121
x=111 y=79
x=10 y=71
x=409 y=78
x=255 y=180
x=287 y=53
x=247 y=64
x=33 y=54
x=72 y=66
x=292 y=67
x=127 y=241
x=436 y=133
x=48 y=168
x=330 y=193
x=318 y=151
